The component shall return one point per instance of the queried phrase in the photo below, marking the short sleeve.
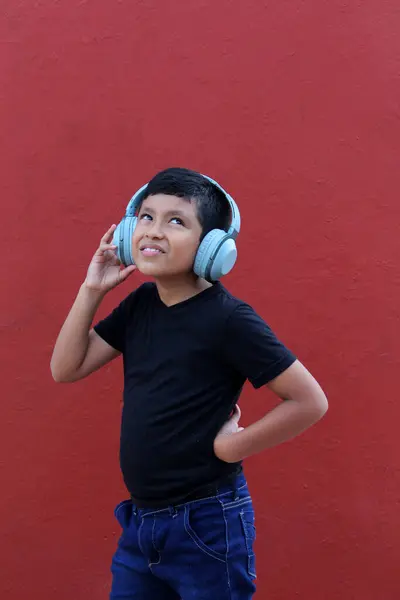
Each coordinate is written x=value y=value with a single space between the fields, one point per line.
x=253 y=349
x=112 y=329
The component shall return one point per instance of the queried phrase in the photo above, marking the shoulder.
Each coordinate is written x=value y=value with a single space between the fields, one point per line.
x=242 y=321
x=227 y=300
x=235 y=309
x=236 y=319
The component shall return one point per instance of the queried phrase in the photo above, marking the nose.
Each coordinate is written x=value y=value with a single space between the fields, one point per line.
x=154 y=230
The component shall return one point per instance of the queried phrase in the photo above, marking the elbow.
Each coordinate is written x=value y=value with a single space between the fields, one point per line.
x=320 y=406
x=58 y=375
x=55 y=373
x=59 y=378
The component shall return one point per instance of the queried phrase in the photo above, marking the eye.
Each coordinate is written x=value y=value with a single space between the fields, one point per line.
x=145 y=217
x=177 y=220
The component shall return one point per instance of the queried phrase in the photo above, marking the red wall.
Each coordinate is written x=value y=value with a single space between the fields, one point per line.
x=294 y=107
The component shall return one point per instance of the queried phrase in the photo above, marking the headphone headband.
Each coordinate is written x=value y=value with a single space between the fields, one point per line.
x=135 y=202
x=234 y=227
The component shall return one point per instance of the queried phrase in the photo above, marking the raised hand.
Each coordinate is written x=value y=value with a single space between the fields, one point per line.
x=105 y=272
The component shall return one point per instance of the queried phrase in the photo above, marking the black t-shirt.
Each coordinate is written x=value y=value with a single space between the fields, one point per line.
x=184 y=368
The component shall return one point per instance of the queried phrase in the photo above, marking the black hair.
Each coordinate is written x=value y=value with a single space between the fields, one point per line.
x=213 y=209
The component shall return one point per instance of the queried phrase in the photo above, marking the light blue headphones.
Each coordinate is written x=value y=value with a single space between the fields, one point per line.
x=216 y=254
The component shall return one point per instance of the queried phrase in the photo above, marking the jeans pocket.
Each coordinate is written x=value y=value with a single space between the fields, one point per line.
x=206 y=526
x=249 y=531
x=123 y=513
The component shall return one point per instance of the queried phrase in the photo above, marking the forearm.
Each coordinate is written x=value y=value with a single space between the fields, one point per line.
x=72 y=342
x=284 y=422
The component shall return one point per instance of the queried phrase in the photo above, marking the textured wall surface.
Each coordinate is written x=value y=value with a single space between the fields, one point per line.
x=294 y=107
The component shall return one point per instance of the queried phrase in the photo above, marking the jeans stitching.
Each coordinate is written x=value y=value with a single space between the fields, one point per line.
x=151 y=564
x=236 y=503
x=249 y=543
x=197 y=540
x=138 y=537
x=119 y=506
x=241 y=502
x=152 y=536
x=227 y=551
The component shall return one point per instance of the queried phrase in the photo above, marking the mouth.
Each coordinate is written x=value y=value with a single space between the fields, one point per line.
x=151 y=250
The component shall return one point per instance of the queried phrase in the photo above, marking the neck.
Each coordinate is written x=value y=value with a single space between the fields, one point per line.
x=173 y=290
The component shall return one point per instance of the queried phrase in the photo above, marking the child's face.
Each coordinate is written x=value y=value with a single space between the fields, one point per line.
x=166 y=236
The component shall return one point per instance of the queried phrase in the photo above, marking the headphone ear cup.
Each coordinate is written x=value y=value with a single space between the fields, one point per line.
x=116 y=237
x=224 y=260
x=122 y=238
x=130 y=228
x=205 y=252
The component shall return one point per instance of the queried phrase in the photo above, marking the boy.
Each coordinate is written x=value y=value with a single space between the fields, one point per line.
x=188 y=347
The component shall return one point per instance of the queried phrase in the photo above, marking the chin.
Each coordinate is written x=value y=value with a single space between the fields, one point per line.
x=150 y=270
x=159 y=273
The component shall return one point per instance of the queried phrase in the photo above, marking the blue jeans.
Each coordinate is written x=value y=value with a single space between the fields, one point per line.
x=199 y=550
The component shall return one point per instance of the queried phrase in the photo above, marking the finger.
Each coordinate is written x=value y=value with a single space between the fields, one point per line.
x=103 y=248
x=237 y=413
x=110 y=258
x=112 y=247
x=108 y=234
x=124 y=273
x=240 y=428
